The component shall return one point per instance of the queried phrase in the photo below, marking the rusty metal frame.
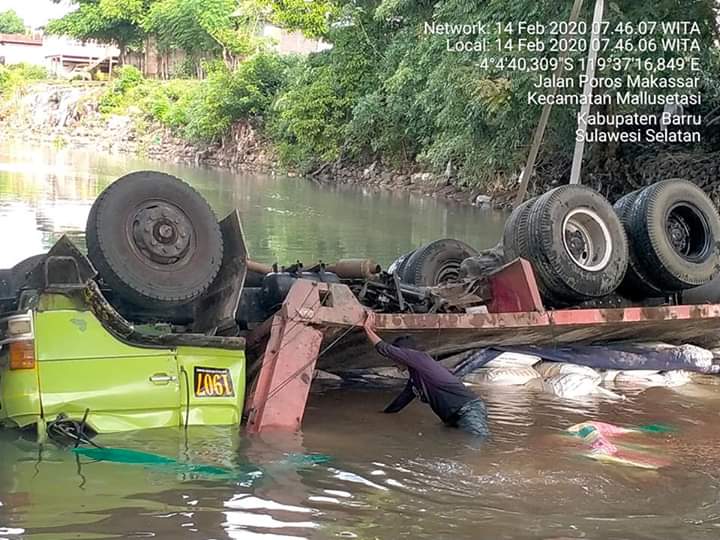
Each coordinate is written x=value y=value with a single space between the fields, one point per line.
x=315 y=313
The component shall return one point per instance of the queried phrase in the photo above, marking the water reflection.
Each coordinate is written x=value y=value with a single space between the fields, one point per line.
x=47 y=192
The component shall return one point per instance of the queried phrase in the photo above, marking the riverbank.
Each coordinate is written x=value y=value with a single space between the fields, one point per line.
x=69 y=115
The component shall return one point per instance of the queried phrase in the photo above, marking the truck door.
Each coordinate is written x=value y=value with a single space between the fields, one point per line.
x=82 y=366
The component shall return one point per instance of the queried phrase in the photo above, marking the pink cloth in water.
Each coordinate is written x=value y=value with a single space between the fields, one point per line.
x=607 y=430
x=596 y=435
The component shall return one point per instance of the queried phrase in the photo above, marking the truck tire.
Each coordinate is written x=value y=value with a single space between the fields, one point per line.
x=637 y=285
x=154 y=240
x=675 y=230
x=515 y=233
x=577 y=244
x=397 y=267
x=437 y=262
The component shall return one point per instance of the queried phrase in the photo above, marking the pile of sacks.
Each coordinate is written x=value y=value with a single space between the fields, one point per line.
x=574 y=381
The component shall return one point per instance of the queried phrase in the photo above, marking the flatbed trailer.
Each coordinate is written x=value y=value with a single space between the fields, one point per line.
x=318 y=325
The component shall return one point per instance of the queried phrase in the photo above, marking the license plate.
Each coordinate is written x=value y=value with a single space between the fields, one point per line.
x=213 y=382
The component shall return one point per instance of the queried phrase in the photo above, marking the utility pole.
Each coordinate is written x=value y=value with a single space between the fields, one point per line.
x=584 y=111
x=544 y=118
x=587 y=92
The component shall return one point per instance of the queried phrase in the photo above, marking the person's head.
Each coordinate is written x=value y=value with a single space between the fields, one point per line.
x=405 y=342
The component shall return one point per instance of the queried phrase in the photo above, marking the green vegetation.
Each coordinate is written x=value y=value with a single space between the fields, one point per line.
x=11 y=22
x=15 y=77
x=118 y=21
x=386 y=89
x=202 y=29
x=203 y=111
x=389 y=90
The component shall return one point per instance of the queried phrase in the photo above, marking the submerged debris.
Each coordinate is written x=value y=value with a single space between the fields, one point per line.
x=502 y=375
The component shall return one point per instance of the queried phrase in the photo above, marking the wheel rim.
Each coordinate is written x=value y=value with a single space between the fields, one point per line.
x=688 y=232
x=160 y=233
x=587 y=240
x=450 y=271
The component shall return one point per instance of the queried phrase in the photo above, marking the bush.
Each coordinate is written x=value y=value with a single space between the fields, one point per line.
x=225 y=96
x=311 y=117
x=387 y=90
x=203 y=111
x=169 y=102
x=15 y=76
x=127 y=79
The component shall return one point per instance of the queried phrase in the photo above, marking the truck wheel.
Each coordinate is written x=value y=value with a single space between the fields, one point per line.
x=437 y=262
x=515 y=233
x=675 y=231
x=637 y=284
x=398 y=265
x=154 y=239
x=577 y=244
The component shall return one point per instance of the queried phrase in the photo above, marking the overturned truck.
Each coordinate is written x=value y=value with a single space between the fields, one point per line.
x=163 y=279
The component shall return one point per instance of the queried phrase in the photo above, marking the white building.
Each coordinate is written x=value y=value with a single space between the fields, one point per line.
x=60 y=55
x=63 y=55
x=17 y=48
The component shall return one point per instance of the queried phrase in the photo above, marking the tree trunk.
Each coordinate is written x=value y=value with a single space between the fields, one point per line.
x=121 y=55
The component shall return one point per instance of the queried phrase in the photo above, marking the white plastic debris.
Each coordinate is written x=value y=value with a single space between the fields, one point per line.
x=576 y=385
x=570 y=385
x=678 y=377
x=608 y=376
x=696 y=356
x=508 y=376
x=554 y=369
x=321 y=375
x=668 y=379
x=513 y=360
x=644 y=378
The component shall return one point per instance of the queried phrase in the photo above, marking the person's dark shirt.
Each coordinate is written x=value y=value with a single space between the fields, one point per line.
x=430 y=381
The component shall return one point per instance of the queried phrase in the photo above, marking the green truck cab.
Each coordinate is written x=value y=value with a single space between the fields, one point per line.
x=67 y=353
x=58 y=359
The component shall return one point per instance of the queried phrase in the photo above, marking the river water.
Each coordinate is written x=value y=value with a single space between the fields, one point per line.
x=45 y=193
x=387 y=476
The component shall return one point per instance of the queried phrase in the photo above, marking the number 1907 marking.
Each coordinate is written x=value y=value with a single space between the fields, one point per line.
x=213 y=382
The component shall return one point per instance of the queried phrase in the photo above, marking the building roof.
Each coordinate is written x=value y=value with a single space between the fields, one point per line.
x=19 y=39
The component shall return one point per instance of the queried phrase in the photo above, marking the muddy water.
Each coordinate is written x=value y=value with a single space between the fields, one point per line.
x=389 y=476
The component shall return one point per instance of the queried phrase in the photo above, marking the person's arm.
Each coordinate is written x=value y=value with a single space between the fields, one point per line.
x=402 y=400
x=396 y=354
x=369 y=327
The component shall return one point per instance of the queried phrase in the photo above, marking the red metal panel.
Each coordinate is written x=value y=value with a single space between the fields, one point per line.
x=514 y=289
x=278 y=398
x=564 y=317
x=315 y=310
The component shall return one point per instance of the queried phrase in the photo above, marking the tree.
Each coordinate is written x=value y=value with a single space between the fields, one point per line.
x=11 y=23
x=312 y=18
x=113 y=21
x=390 y=90
x=201 y=28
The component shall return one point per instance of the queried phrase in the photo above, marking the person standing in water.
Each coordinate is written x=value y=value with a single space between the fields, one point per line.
x=432 y=382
